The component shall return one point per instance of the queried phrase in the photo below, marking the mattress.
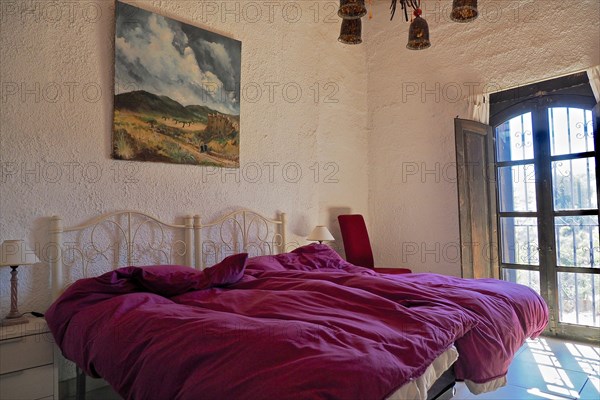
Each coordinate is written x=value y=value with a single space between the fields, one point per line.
x=417 y=389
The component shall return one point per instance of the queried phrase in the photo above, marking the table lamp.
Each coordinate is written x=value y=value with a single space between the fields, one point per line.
x=320 y=234
x=14 y=253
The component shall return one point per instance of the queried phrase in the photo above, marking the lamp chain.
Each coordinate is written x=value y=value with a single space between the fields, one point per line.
x=404 y=5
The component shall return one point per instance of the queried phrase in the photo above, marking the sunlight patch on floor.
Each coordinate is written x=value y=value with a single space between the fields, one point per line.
x=595 y=381
x=559 y=368
x=588 y=357
x=542 y=395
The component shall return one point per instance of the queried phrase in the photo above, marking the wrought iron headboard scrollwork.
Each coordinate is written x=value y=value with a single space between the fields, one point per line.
x=125 y=238
x=242 y=231
x=115 y=240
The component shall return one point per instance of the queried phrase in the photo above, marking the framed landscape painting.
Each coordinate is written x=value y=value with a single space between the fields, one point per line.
x=177 y=91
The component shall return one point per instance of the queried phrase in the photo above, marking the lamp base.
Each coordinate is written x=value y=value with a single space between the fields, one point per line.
x=14 y=321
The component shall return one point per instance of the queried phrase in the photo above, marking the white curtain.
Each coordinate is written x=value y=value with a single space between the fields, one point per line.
x=594 y=77
x=479 y=108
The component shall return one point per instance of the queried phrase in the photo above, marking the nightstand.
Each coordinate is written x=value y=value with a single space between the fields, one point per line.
x=26 y=361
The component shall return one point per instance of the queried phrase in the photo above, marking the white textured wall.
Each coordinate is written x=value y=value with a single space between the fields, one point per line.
x=413 y=97
x=56 y=61
x=379 y=137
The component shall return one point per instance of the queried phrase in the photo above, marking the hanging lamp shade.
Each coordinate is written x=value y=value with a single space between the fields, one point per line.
x=352 y=9
x=418 y=34
x=464 y=10
x=351 y=31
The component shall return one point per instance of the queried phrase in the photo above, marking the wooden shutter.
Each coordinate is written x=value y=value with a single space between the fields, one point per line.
x=476 y=199
x=596 y=117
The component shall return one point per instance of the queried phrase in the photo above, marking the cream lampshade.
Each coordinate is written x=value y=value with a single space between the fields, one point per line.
x=320 y=234
x=14 y=253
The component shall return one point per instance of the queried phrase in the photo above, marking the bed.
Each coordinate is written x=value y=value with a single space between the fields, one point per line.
x=265 y=323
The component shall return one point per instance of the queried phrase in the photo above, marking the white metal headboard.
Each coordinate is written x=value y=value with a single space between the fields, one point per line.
x=242 y=231
x=115 y=240
x=124 y=238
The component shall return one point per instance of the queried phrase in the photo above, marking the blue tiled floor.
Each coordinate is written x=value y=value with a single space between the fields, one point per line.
x=548 y=368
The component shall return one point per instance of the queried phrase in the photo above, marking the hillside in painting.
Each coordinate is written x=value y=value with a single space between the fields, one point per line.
x=148 y=127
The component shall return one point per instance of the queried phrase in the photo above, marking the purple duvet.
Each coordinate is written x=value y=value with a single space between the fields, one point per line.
x=301 y=325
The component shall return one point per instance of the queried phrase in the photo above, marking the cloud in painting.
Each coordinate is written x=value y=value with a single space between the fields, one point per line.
x=170 y=58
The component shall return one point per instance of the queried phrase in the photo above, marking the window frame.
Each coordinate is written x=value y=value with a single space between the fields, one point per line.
x=548 y=267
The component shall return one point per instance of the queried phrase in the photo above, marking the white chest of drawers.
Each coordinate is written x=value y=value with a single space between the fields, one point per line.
x=26 y=361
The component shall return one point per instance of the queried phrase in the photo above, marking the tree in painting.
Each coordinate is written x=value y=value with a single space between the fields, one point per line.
x=177 y=90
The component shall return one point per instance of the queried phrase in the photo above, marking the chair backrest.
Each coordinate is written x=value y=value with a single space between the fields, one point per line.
x=356 y=240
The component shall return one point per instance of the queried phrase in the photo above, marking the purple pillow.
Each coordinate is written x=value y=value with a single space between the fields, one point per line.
x=312 y=257
x=172 y=280
x=227 y=272
x=165 y=280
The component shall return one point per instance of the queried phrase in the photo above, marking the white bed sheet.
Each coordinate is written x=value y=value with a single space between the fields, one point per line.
x=417 y=389
x=478 y=388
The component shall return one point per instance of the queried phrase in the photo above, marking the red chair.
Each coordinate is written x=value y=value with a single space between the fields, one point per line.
x=357 y=244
